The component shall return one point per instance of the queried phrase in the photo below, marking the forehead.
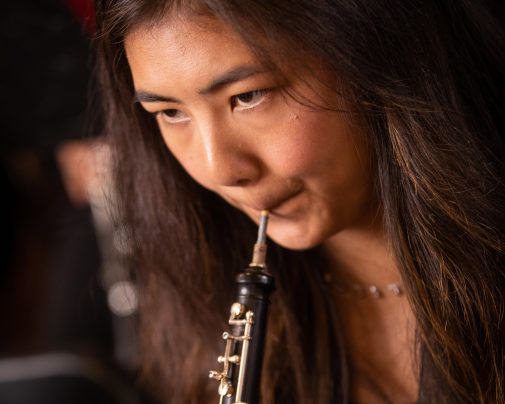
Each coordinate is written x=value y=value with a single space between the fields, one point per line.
x=184 y=51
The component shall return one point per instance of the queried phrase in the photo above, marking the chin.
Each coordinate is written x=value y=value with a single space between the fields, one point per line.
x=294 y=238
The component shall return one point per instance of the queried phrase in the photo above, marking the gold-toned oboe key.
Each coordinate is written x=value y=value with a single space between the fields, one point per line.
x=248 y=318
x=260 y=248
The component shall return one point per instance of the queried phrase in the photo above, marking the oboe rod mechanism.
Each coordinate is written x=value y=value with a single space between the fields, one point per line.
x=260 y=248
x=239 y=380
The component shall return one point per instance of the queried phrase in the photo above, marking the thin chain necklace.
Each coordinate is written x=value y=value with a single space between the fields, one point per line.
x=362 y=291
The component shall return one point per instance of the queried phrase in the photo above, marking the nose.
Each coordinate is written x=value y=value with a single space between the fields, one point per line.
x=229 y=157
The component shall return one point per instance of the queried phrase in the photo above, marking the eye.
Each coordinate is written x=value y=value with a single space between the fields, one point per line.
x=173 y=116
x=248 y=100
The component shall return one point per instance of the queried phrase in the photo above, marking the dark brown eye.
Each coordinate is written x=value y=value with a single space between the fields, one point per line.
x=249 y=99
x=173 y=115
x=246 y=97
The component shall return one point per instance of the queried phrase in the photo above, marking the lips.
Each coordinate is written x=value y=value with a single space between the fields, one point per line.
x=284 y=206
x=276 y=204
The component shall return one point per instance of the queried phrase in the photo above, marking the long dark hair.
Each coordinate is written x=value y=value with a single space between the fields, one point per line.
x=424 y=77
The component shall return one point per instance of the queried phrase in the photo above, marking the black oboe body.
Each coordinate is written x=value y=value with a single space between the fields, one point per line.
x=240 y=377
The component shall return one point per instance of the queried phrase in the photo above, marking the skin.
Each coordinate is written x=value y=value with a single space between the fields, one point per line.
x=259 y=150
x=229 y=124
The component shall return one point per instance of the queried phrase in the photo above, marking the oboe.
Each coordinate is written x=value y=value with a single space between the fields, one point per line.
x=243 y=355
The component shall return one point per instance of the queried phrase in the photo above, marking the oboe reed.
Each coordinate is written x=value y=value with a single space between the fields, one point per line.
x=260 y=247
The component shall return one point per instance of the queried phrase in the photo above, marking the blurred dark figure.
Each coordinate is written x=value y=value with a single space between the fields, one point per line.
x=52 y=298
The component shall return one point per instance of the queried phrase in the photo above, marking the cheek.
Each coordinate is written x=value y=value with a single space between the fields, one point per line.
x=310 y=142
x=183 y=153
x=194 y=168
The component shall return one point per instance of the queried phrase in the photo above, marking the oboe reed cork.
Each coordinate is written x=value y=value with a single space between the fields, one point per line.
x=260 y=247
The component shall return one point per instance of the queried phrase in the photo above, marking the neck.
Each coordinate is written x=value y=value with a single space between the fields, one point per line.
x=362 y=256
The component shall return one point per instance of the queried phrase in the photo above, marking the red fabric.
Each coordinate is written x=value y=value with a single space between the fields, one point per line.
x=83 y=11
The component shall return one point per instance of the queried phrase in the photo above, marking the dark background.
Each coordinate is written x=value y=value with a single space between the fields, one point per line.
x=59 y=340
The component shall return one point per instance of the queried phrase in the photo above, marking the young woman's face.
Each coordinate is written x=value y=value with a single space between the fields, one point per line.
x=235 y=132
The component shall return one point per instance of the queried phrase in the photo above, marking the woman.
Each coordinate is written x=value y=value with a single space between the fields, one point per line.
x=372 y=132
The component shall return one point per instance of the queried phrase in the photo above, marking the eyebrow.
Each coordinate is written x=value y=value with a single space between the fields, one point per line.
x=144 y=96
x=229 y=77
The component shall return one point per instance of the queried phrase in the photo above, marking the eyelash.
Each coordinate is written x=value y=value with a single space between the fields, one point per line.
x=236 y=98
x=234 y=102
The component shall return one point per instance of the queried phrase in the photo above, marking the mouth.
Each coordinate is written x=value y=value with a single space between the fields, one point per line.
x=285 y=207
x=278 y=206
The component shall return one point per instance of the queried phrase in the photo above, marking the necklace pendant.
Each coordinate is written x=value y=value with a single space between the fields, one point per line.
x=395 y=289
x=375 y=291
x=362 y=291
